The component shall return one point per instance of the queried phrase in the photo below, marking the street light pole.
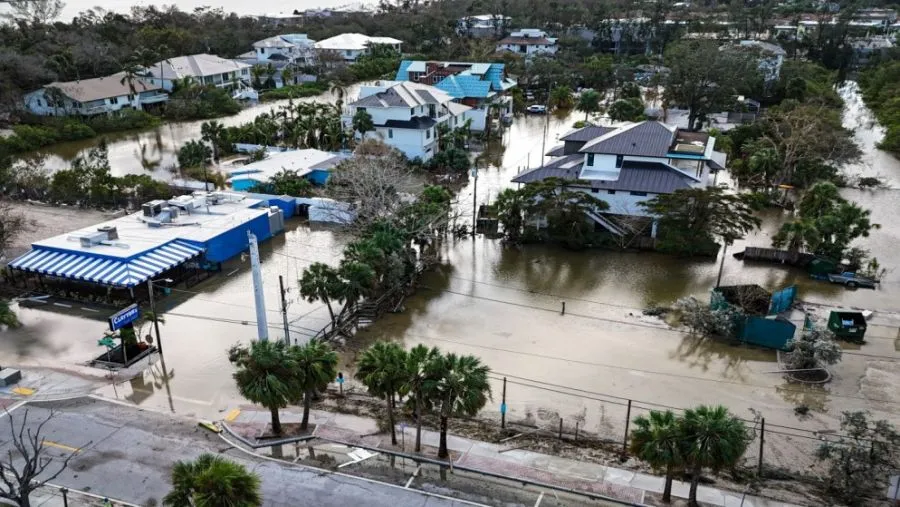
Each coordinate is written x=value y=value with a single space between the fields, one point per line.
x=474 y=200
x=722 y=264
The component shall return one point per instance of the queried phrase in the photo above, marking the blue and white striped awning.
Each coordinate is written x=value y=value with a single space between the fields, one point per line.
x=77 y=265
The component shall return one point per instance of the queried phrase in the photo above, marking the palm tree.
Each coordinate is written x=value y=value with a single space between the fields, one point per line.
x=316 y=366
x=657 y=440
x=588 y=102
x=267 y=373
x=713 y=438
x=357 y=280
x=213 y=132
x=212 y=481
x=130 y=72
x=382 y=369
x=456 y=385
x=287 y=76
x=339 y=91
x=320 y=283
x=256 y=73
x=418 y=362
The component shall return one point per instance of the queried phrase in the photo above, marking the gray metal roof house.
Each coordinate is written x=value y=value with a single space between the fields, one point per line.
x=630 y=164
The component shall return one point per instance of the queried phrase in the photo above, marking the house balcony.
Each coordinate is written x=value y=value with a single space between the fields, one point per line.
x=154 y=99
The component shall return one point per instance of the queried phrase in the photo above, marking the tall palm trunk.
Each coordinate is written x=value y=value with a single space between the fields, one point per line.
x=418 y=419
x=390 y=409
x=667 y=489
x=442 y=448
x=276 y=421
x=307 y=401
x=330 y=312
x=695 y=481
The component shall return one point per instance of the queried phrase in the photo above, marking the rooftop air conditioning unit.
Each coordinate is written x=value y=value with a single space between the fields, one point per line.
x=111 y=232
x=92 y=239
x=152 y=208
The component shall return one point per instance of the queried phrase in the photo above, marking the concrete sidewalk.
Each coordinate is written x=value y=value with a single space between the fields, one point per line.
x=250 y=422
x=45 y=384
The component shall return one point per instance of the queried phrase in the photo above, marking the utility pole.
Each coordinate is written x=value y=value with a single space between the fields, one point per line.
x=474 y=200
x=262 y=326
x=155 y=316
x=287 y=333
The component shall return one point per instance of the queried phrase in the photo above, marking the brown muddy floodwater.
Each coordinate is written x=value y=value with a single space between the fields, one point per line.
x=129 y=151
x=503 y=304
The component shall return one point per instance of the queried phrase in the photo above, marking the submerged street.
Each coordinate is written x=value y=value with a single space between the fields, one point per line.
x=503 y=304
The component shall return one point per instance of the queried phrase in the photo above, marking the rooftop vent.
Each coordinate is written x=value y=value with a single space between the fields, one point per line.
x=153 y=208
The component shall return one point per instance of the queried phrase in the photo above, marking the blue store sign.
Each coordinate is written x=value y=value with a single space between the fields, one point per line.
x=124 y=317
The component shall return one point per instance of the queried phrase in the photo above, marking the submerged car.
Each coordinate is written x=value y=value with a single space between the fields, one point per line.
x=536 y=109
x=852 y=280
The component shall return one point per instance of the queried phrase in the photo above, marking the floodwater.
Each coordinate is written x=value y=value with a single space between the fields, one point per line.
x=130 y=152
x=504 y=304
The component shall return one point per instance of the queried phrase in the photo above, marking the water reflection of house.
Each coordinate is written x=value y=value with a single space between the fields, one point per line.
x=625 y=166
x=177 y=238
x=477 y=85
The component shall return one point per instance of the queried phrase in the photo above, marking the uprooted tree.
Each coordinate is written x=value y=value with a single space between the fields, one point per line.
x=27 y=466
x=861 y=458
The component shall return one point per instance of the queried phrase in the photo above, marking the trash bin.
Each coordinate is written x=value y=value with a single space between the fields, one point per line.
x=850 y=326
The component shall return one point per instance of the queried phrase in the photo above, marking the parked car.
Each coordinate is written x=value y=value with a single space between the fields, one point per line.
x=852 y=280
x=536 y=109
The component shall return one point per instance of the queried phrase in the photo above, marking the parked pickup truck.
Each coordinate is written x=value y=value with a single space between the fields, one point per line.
x=852 y=280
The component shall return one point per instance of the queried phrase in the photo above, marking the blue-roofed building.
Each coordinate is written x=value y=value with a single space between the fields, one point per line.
x=477 y=85
x=178 y=239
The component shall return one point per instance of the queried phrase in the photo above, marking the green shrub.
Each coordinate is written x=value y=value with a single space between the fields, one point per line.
x=295 y=91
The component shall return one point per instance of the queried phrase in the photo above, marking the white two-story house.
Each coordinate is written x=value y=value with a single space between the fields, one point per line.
x=288 y=48
x=350 y=46
x=406 y=115
x=625 y=166
x=529 y=42
x=89 y=97
x=203 y=69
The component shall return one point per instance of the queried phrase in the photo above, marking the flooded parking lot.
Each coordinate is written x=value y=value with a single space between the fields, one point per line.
x=504 y=304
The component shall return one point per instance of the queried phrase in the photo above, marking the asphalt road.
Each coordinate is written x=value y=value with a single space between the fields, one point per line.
x=127 y=454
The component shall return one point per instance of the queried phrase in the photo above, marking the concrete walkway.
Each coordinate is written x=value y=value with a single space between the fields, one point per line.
x=251 y=421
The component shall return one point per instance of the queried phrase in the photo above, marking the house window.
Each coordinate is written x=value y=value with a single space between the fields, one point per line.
x=611 y=192
x=361 y=109
x=130 y=98
x=619 y=160
x=390 y=133
x=595 y=190
x=412 y=111
x=639 y=194
x=348 y=53
x=262 y=51
x=39 y=103
x=115 y=100
x=245 y=72
x=428 y=134
x=590 y=159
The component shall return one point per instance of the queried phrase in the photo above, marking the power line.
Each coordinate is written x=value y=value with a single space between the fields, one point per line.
x=651 y=372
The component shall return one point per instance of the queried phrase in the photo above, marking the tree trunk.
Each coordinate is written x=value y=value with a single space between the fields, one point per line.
x=418 y=420
x=667 y=489
x=692 y=117
x=330 y=313
x=695 y=481
x=390 y=410
x=276 y=422
x=307 y=401
x=442 y=448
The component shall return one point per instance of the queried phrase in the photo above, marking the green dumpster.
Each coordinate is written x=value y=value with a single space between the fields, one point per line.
x=850 y=326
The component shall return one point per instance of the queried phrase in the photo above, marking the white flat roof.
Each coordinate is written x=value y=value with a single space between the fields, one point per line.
x=302 y=161
x=354 y=41
x=136 y=236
